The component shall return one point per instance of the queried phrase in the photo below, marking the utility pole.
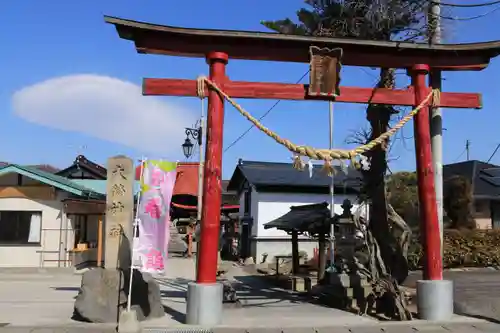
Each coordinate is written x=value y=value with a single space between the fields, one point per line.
x=436 y=123
x=200 y=171
x=202 y=132
x=332 y=193
x=467 y=149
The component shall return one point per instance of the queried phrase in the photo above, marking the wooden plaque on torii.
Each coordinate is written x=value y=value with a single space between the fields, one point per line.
x=324 y=71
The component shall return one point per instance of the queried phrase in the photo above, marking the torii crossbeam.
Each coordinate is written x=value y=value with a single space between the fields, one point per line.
x=218 y=46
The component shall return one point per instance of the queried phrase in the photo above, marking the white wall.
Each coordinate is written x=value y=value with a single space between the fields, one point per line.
x=51 y=237
x=273 y=205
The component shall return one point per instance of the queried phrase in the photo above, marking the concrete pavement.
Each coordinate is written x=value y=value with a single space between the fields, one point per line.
x=33 y=301
x=401 y=328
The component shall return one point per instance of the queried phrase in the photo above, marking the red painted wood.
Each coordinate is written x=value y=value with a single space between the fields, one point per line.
x=433 y=263
x=287 y=91
x=210 y=215
x=353 y=56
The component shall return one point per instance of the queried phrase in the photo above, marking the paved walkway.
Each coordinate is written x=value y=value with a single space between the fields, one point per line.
x=261 y=304
x=45 y=300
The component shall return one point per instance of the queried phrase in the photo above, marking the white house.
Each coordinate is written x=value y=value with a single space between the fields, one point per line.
x=268 y=190
x=35 y=230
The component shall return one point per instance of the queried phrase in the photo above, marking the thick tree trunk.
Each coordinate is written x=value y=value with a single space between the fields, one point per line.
x=379 y=116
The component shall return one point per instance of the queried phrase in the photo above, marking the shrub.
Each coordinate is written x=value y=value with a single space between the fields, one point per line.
x=462 y=248
x=458 y=202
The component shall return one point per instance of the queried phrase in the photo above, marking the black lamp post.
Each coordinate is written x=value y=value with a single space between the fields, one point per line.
x=187 y=146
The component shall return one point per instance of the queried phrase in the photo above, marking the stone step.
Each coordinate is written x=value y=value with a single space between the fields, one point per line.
x=295 y=283
x=303 y=283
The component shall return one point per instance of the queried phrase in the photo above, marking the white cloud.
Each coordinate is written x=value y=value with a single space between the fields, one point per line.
x=105 y=108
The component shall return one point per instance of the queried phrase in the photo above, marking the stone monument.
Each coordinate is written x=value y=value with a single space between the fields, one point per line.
x=119 y=212
x=103 y=292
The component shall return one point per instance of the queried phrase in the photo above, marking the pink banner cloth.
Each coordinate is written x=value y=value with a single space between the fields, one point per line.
x=151 y=246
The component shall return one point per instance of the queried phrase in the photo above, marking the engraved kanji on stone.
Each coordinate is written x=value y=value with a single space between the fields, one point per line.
x=119 y=170
x=118 y=190
x=116 y=207
x=115 y=231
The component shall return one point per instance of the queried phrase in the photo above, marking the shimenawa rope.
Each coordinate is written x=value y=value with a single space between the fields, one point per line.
x=326 y=155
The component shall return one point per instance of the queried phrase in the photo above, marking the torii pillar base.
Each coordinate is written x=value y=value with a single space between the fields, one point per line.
x=435 y=300
x=204 y=304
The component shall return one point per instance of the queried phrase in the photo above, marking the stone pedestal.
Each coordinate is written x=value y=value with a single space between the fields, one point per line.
x=435 y=299
x=103 y=296
x=204 y=304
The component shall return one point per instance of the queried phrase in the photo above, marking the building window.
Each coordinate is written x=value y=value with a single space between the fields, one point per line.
x=20 y=227
x=248 y=201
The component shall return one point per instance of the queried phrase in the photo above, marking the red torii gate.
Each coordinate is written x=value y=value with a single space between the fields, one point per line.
x=217 y=46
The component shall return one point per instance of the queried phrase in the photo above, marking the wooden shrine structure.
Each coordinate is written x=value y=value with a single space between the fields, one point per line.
x=218 y=46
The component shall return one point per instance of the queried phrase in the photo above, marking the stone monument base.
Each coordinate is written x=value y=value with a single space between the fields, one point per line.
x=103 y=296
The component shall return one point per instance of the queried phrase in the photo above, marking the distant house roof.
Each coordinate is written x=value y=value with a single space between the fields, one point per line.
x=49 y=179
x=283 y=176
x=484 y=177
x=81 y=162
x=44 y=167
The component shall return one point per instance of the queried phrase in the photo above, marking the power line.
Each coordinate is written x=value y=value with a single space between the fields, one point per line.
x=470 y=5
x=466 y=150
x=459 y=156
x=471 y=17
x=262 y=117
x=494 y=152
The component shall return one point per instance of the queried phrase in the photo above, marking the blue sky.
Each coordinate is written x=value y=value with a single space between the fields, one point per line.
x=45 y=40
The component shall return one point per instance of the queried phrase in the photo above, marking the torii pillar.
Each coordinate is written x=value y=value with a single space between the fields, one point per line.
x=434 y=295
x=202 y=296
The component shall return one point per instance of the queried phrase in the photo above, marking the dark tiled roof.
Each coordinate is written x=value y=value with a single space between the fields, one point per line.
x=302 y=218
x=82 y=162
x=261 y=174
x=484 y=177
